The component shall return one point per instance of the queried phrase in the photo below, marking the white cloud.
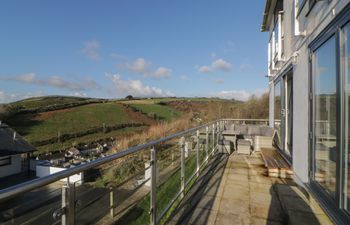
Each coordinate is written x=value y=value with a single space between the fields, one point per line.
x=205 y=69
x=162 y=72
x=241 y=95
x=216 y=65
x=79 y=94
x=140 y=65
x=91 y=50
x=222 y=65
x=53 y=81
x=136 y=88
x=6 y=97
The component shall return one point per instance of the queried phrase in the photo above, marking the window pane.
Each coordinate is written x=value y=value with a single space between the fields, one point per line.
x=346 y=70
x=278 y=112
x=324 y=72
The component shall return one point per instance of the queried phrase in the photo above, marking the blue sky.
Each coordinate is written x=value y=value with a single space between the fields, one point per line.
x=144 y=48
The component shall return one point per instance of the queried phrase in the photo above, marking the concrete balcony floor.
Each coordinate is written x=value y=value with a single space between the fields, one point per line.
x=235 y=190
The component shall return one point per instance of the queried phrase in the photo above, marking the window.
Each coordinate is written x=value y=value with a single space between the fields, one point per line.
x=4 y=161
x=324 y=119
x=277 y=112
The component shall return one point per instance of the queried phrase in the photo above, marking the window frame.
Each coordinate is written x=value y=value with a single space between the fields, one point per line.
x=5 y=158
x=334 y=28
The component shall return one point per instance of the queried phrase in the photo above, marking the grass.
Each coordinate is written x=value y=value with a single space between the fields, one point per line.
x=89 y=138
x=47 y=125
x=37 y=102
x=158 y=112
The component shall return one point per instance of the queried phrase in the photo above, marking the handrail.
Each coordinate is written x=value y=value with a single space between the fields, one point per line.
x=33 y=184
x=67 y=212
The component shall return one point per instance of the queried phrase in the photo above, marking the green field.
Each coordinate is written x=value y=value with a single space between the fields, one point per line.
x=37 y=102
x=156 y=111
x=88 y=139
x=37 y=127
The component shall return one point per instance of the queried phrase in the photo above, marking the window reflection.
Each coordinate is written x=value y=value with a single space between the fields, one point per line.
x=325 y=153
x=278 y=112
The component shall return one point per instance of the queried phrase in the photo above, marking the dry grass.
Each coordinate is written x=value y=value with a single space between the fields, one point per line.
x=155 y=132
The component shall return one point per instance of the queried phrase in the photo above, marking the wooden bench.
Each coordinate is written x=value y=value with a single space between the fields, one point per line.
x=276 y=165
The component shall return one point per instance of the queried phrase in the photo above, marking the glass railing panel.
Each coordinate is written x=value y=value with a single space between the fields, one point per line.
x=168 y=175
x=35 y=207
x=114 y=191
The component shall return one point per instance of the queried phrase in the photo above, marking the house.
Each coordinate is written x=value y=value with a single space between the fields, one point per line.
x=13 y=152
x=309 y=83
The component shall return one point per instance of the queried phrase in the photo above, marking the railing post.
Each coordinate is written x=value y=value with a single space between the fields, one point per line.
x=217 y=133
x=111 y=202
x=68 y=203
x=153 y=203
x=182 y=147
x=197 y=152
x=206 y=142
x=213 y=138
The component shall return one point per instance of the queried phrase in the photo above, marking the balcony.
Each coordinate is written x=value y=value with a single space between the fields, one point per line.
x=185 y=178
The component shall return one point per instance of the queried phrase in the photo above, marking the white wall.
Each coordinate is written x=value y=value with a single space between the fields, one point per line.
x=13 y=168
x=43 y=171
x=320 y=16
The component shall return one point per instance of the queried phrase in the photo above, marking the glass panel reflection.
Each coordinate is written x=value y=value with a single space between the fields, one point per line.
x=278 y=113
x=325 y=88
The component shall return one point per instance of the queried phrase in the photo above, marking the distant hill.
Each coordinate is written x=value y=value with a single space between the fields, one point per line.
x=53 y=123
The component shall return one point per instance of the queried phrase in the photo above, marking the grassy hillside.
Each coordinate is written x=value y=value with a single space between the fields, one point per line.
x=37 y=102
x=42 y=126
x=156 y=111
x=55 y=122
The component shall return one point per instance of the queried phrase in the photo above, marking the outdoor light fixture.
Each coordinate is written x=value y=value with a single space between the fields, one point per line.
x=295 y=58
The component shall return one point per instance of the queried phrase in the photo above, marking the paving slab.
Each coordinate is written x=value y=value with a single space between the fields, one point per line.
x=230 y=218
x=239 y=192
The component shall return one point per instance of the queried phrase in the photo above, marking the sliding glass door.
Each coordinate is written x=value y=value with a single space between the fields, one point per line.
x=284 y=113
x=324 y=115
x=277 y=113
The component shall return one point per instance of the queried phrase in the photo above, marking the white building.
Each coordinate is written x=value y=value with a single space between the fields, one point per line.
x=309 y=82
x=14 y=152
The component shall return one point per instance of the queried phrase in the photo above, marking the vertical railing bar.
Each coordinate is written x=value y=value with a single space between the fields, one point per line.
x=64 y=205
x=153 y=202
x=111 y=202
x=206 y=142
x=68 y=200
x=213 y=137
x=197 y=152
x=182 y=148
x=217 y=133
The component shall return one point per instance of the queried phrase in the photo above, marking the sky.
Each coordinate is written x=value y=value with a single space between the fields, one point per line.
x=144 y=48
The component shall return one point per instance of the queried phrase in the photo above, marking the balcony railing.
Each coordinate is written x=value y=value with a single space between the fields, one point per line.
x=140 y=185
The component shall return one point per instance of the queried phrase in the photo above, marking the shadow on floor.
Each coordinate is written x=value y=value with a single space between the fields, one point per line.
x=235 y=190
x=206 y=186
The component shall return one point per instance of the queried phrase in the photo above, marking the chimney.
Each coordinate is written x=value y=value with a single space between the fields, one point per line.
x=14 y=135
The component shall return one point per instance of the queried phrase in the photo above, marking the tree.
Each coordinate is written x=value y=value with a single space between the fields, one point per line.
x=129 y=97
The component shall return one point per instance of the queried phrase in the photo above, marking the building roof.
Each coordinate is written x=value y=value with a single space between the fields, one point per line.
x=11 y=143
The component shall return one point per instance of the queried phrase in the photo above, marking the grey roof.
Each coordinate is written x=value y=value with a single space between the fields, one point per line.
x=10 y=145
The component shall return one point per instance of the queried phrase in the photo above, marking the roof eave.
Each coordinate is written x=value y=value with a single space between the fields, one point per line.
x=264 y=25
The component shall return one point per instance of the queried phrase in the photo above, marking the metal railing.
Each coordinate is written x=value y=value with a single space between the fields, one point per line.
x=172 y=165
